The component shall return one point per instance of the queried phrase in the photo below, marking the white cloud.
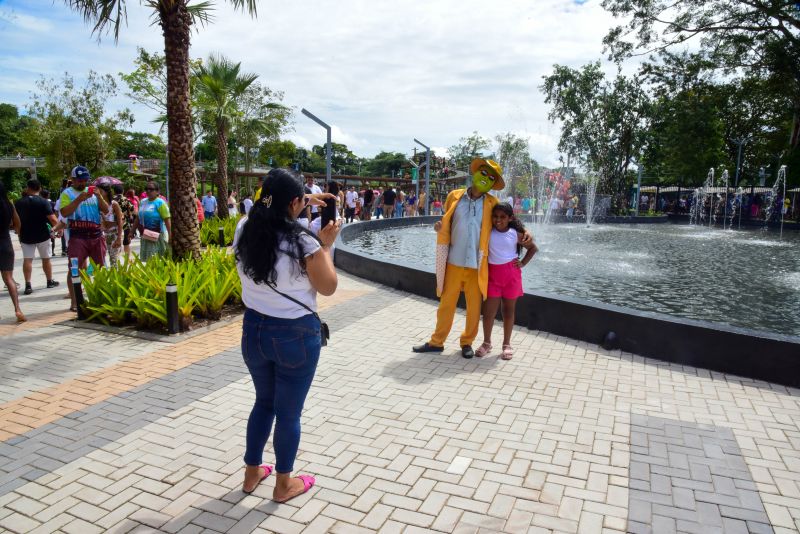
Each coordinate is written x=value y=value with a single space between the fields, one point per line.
x=381 y=72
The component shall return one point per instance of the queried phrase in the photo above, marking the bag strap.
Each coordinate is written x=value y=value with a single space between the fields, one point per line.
x=275 y=289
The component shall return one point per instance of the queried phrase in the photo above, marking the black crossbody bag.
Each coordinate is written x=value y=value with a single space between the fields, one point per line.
x=324 y=331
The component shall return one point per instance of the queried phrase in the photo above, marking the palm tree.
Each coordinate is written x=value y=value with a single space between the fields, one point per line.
x=219 y=84
x=175 y=18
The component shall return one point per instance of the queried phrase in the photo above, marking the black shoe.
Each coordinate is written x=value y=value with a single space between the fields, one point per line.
x=28 y=289
x=51 y=284
x=63 y=252
x=427 y=347
x=467 y=352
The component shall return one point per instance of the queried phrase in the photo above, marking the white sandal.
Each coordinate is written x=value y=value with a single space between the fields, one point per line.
x=483 y=350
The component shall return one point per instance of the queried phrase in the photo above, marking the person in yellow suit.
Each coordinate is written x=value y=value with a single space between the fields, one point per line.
x=462 y=254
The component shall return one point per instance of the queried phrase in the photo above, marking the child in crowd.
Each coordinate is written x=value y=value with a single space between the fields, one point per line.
x=505 y=276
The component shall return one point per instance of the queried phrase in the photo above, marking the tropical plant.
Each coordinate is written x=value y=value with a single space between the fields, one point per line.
x=135 y=292
x=261 y=118
x=175 y=18
x=209 y=231
x=219 y=84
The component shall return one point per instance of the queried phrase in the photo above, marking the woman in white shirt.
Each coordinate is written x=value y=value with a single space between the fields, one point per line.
x=282 y=267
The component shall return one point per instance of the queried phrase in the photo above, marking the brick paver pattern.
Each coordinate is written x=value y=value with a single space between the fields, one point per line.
x=106 y=433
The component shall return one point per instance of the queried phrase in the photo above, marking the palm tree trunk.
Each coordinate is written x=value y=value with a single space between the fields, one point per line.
x=185 y=239
x=222 y=170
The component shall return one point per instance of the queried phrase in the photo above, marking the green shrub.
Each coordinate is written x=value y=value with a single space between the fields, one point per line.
x=209 y=230
x=135 y=292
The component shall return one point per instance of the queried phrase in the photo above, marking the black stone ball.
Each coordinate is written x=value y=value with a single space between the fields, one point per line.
x=610 y=341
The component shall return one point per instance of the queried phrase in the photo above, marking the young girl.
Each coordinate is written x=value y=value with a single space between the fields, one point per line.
x=505 y=276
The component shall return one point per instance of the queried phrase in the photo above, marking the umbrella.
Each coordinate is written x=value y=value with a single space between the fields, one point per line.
x=132 y=156
x=107 y=180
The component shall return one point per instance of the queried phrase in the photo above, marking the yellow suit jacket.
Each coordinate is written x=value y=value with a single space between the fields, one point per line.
x=443 y=240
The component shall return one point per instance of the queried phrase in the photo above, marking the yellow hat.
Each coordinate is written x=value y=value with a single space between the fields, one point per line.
x=491 y=167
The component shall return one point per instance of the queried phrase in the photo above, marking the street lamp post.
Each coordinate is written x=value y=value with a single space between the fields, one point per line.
x=427 y=175
x=327 y=146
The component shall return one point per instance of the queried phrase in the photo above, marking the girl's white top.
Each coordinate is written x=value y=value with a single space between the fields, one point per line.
x=290 y=280
x=502 y=246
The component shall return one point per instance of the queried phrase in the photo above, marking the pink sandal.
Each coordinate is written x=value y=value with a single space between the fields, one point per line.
x=483 y=350
x=267 y=471
x=308 y=482
x=508 y=352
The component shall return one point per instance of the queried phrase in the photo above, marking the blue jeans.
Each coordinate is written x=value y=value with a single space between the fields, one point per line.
x=282 y=356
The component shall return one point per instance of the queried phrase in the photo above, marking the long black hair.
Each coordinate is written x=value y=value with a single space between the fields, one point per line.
x=271 y=230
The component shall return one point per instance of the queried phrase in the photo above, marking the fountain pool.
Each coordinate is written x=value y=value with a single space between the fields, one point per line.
x=744 y=278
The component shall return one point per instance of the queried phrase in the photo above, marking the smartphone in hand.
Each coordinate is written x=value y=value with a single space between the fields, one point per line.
x=90 y=190
x=329 y=211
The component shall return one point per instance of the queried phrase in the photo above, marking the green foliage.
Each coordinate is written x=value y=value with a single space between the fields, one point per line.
x=753 y=47
x=282 y=153
x=603 y=121
x=11 y=127
x=384 y=163
x=135 y=292
x=343 y=161
x=467 y=149
x=219 y=84
x=263 y=118
x=209 y=230
x=144 y=145
x=71 y=125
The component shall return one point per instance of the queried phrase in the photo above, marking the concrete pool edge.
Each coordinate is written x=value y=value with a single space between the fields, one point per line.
x=748 y=353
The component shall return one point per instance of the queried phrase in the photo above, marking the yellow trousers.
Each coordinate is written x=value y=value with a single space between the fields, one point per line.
x=456 y=280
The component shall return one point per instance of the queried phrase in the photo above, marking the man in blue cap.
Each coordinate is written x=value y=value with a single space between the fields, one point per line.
x=83 y=209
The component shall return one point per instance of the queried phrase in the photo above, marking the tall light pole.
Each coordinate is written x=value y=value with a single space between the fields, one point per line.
x=327 y=146
x=427 y=175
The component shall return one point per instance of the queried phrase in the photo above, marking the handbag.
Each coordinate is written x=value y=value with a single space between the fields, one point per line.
x=151 y=235
x=324 y=331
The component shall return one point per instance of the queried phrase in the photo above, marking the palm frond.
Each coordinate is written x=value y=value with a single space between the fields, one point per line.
x=103 y=14
x=201 y=12
x=245 y=5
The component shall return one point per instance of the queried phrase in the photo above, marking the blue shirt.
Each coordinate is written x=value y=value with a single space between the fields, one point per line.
x=465 y=232
x=88 y=210
x=152 y=214
x=209 y=203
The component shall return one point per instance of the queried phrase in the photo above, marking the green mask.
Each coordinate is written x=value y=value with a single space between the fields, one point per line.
x=482 y=181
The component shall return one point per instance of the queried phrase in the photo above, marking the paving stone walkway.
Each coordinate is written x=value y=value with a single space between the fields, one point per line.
x=105 y=433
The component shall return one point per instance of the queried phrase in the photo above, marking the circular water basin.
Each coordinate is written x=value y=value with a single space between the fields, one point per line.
x=745 y=278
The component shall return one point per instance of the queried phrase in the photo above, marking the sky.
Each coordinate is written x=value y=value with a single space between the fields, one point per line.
x=381 y=73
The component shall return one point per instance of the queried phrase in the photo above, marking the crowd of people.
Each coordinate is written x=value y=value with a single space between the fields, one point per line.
x=97 y=222
x=364 y=204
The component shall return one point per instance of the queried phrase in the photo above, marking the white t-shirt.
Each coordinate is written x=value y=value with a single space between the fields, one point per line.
x=503 y=246
x=290 y=280
x=315 y=189
x=350 y=199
